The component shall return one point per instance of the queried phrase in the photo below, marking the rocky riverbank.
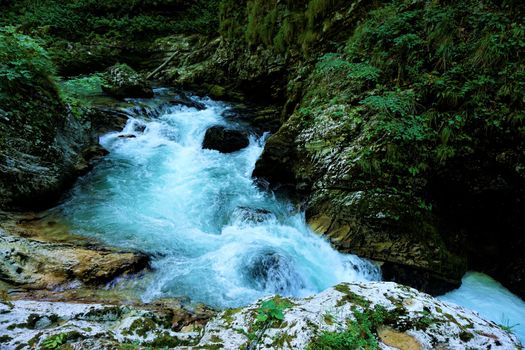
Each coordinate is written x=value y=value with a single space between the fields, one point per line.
x=379 y=315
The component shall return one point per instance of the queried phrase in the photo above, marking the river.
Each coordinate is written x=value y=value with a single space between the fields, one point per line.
x=214 y=235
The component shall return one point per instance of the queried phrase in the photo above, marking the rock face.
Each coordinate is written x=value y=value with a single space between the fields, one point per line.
x=41 y=265
x=225 y=140
x=398 y=317
x=39 y=157
x=123 y=81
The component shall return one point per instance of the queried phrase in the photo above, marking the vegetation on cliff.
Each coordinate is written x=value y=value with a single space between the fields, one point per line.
x=83 y=36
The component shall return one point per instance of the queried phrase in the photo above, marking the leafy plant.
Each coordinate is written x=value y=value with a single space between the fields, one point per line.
x=507 y=326
x=24 y=61
x=54 y=341
x=360 y=333
x=272 y=311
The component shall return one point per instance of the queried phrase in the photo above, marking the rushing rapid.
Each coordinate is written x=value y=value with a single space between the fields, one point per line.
x=213 y=234
x=493 y=301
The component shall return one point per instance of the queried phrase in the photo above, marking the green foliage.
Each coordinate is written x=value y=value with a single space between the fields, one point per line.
x=83 y=36
x=279 y=25
x=78 y=19
x=26 y=70
x=507 y=326
x=23 y=60
x=360 y=332
x=54 y=341
x=432 y=84
x=84 y=86
x=272 y=311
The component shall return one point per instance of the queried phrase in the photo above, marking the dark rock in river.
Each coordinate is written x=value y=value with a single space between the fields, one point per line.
x=253 y=215
x=123 y=81
x=184 y=100
x=127 y=136
x=40 y=158
x=106 y=119
x=225 y=140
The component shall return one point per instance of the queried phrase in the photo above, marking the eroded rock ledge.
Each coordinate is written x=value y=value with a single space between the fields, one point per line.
x=33 y=264
x=408 y=318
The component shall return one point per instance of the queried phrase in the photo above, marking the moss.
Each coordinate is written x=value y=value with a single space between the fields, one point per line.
x=35 y=340
x=211 y=347
x=328 y=319
x=111 y=313
x=165 y=340
x=350 y=297
x=215 y=339
x=466 y=336
x=141 y=327
x=5 y=338
x=282 y=339
x=228 y=314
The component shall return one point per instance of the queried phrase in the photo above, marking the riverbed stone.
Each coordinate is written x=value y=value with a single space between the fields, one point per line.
x=225 y=140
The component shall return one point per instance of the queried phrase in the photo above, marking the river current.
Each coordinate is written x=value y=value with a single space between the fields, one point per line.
x=214 y=235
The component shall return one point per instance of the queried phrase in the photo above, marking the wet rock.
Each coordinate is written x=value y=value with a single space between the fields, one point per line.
x=39 y=159
x=42 y=265
x=139 y=127
x=27 y=324
x=90 y=156
x=123 y=81
x=252 y=215
x=127 y=136
x=272 y=272
x=225 y=140
x=261 y=118
x=188 y=102
x=106 y=119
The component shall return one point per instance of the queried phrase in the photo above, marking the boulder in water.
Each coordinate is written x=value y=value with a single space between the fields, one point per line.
x=253 y=215
x=225 y=140
x=184 y=100
x=123 y=81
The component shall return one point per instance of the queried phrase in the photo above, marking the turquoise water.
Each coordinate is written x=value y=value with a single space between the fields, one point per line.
x=491 y=300
x=213 y=234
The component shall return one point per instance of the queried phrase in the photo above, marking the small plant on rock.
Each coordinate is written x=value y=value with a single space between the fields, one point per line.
x=272 y=311
x=54 y=341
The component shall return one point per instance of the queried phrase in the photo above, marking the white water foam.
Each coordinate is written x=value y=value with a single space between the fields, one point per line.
x=213 y=234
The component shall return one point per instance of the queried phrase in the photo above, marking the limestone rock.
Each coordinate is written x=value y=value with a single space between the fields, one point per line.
x=410 y=320
x=415 y=320
x=43 y=265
